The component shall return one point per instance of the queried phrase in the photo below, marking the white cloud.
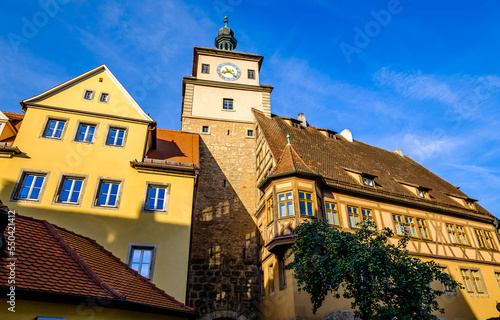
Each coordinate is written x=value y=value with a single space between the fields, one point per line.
x=416 y=85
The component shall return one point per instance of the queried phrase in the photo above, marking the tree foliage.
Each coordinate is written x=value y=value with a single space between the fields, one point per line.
x=381 y=278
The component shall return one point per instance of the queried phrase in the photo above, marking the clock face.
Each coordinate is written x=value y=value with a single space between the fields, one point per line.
x=228 y=71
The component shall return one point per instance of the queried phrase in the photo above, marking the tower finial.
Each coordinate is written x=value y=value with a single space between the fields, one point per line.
x=288 y=139
x=225 y=40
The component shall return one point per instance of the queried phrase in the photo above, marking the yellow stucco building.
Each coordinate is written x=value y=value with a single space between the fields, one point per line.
x=85 y=156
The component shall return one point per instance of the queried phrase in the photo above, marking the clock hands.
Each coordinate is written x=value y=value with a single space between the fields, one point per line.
x=227 y=70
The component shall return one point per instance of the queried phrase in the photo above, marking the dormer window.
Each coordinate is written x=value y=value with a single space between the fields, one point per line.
x=368 y=181
x=470 y=205
x=423 y=193
x=295 y=124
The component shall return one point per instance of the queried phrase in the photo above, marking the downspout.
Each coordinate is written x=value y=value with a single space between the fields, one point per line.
x=196 y=174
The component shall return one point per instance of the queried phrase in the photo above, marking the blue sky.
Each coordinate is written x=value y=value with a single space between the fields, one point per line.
x=422 y=76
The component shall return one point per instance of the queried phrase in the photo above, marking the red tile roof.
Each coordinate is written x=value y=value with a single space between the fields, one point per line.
x=330 y=157
x=51 y=259
x=175 y=145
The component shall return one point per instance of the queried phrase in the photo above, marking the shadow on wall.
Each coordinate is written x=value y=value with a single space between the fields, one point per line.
x=224 y=250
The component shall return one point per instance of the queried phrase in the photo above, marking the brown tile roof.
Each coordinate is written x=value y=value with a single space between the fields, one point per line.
x=329 y=157
x=51 y=259
x=175 y=145
x=290 y=161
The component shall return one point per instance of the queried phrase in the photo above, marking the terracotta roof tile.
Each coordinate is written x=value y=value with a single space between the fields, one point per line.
x=175 y=145
x=53 y=259
x=329 y=157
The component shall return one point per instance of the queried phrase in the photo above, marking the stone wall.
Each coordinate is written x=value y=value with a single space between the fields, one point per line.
x=224 y=257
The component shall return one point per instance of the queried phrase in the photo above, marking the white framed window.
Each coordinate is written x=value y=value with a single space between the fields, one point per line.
x=157 y=197
x=31 y=186
x=70 y=190
x=251 y=74
x=108 y=194
x=141 y=258
x=85 y=132
x=116 y=137
x=104 y=97
x=205 y=129
x=88 y=95
x=250 y=133
x=227 y=104
x=54 y=129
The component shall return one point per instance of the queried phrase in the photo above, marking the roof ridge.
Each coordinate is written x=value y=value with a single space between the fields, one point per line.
x=126 y=266
x=83 y=264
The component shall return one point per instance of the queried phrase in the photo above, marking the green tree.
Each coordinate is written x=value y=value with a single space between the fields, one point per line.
x=381 y=278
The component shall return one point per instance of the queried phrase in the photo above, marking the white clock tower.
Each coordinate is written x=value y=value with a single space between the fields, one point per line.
x=217 y=104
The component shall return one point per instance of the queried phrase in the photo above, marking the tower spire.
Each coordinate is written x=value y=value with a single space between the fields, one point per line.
x=225 y=39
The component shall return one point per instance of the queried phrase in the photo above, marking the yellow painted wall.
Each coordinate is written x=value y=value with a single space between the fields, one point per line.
x=114 y=228
x=95 y=309
x=72 y=98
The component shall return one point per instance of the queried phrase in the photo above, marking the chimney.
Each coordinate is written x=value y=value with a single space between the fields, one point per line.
x=302 y=118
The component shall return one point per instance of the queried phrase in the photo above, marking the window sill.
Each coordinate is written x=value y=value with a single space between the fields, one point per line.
x=228 y=110
x=37 y=201
x=51 y=138
x=83 y=142
x=105 y=207
x=67 y=204
x=154 y=211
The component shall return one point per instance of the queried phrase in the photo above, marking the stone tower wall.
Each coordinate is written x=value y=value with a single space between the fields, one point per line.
x=224 y=255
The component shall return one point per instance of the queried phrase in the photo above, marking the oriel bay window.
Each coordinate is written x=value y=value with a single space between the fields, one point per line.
x=285 y=204
x=306 y=203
